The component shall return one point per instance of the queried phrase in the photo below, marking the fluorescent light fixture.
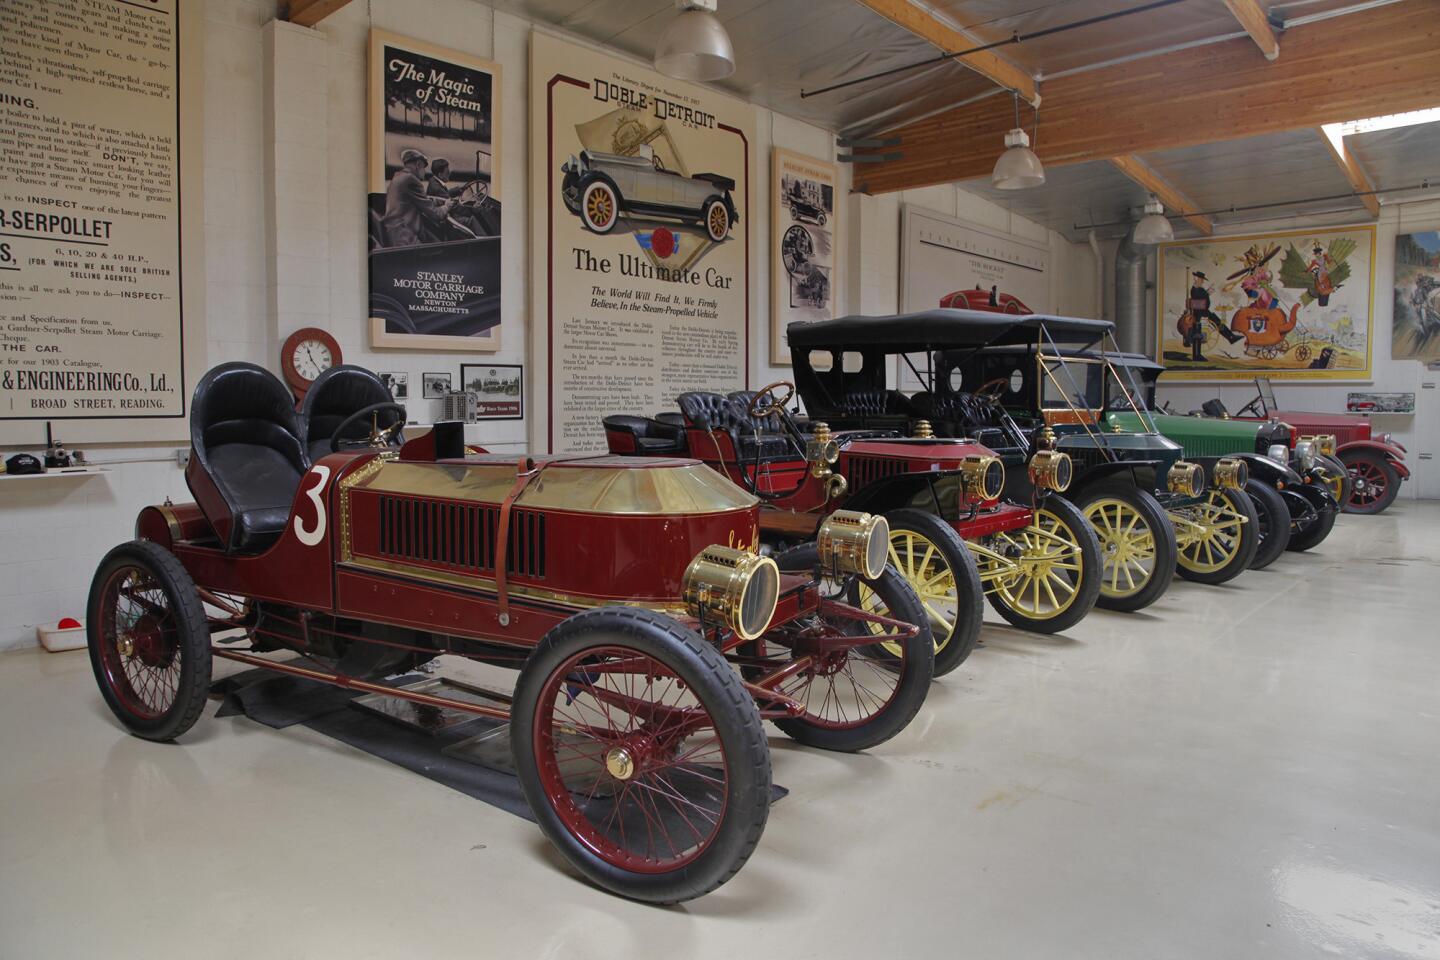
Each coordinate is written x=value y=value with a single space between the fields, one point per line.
x=1153 y=228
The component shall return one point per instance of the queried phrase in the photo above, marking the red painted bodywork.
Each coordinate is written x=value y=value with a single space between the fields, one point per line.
x=1351 y=433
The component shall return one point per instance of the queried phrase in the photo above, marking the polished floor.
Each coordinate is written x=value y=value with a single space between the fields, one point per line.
x=1239 y=771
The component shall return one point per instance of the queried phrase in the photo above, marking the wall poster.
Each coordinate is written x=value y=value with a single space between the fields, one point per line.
x=1416 y=334
x=92 y=321
x=641 y=197
x=1294 y=305
x=804 y=222
x=433 y=203
x=499 y=389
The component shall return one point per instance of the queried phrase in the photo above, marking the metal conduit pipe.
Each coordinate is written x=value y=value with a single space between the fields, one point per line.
x=1130 y=294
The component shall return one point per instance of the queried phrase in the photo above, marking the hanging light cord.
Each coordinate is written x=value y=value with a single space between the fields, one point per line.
x=1014 y=38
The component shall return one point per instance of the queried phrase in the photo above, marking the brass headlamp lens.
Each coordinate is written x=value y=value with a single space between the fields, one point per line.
x=1230 y=473
x=739 y=587
x=1051 y=470
x=1185 y=479
x=983 y=476
x=854 y=542
x=1325 y=443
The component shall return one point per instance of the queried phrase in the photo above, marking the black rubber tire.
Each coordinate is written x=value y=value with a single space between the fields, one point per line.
x=1314 y=534
x=1162 y=531
x=1249 y=540
x=1392 y=481
x=192 y=639
x=737 y=724
x=950 y=651
x=1088 y=591
x=1273 y=522
x=916 y=666
x=1347 y=486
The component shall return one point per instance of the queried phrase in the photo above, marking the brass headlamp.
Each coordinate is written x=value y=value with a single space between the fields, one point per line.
x=983 y=477
x=1325 y=443
x=1230 y=473
x=820 y=450
x=1051 y=470
x=739 y=587
x=854 y=542
x=1185 y=479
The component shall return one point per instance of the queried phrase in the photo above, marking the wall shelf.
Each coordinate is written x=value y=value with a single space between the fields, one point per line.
x=61 y=473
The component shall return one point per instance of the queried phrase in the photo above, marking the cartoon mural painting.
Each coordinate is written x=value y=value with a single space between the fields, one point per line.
x=1300 y=320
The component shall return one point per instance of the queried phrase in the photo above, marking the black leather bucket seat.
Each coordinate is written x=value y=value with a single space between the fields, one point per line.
x=336 y=394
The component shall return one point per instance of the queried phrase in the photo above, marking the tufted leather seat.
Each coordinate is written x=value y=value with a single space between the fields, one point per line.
x=627 y=434
x=874 y=403
x=246 y=458
x=714 y=411
x=335 y=395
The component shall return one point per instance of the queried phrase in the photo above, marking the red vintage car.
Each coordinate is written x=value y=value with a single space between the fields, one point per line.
x=651 y=640
x=1376 y=464
x=952 y=533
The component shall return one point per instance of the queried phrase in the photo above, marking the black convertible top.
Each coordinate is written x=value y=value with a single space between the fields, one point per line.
x=941 y=328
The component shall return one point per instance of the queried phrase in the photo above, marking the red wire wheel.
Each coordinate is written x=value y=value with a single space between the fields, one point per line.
x=1374 y=483
x=858 y=696
x=149 y=640
x=641 y=754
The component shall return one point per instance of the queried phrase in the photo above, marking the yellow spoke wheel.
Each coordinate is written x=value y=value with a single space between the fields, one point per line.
x=1127 y=546
x=1042 y=577
x=1217 y=537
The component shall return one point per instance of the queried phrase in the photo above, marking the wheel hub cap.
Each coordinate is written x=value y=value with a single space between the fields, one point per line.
x=620 y=763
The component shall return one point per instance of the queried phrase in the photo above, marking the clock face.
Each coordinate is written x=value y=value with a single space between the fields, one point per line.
x=311 y=358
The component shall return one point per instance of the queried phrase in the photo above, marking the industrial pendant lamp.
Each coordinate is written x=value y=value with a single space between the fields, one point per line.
x=1018 y=167
x=1153 y=228
x=695 y=46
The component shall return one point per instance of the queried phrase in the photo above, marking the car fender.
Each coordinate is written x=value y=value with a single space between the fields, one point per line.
x=892 y=493
x=1105 y=471
x=1264 y=469
x=591 y=176
x=1391 y=452
x=1304 y=497
x=723 y=198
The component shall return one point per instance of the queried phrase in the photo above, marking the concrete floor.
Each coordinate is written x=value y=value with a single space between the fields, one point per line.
x=1239 y=771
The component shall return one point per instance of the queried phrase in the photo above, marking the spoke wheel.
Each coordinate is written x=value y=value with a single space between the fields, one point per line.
x=1137 y=544
x=855 y=697
x=1374 y=483
x=1217 y=537
x=1043 y=577
x=930 y=555
x=717 y=221
x=149 y=640
x=641 y=755
x=600 y=207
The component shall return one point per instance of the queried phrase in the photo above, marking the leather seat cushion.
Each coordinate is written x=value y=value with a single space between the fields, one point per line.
x=259 y=482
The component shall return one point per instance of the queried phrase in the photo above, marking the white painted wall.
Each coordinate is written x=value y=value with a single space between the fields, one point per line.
x=285 y=238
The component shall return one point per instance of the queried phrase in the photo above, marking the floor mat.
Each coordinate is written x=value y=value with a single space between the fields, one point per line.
x=471 y=757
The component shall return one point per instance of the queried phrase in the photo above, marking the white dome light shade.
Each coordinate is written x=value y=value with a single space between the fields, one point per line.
x=1018 y=167
x=695 y=47
x=1153 y=228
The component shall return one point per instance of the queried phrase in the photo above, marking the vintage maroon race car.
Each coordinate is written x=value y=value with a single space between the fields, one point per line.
x=952 y=533
x=1376 y=464
x=651 y=640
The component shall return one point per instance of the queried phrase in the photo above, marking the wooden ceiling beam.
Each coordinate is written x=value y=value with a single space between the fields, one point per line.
x=1253 y=19
x=307 y=13
x=987 y=63
x=1345 y=160
x=1218 y=92
x=1166 y=192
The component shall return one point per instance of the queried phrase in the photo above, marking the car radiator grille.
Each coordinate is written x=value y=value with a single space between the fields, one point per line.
x=866 y=470
x=460 y=536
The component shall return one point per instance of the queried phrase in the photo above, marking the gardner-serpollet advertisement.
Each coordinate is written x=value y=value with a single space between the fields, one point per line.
x=434 y=183
x=90 y=308
x=642 y=189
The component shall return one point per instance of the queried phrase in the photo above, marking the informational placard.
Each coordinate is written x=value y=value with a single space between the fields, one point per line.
x=91 y=318
x=1296 y=305
x=804 y=222
x=641 y=197
x=499 y=389
x=434 y=203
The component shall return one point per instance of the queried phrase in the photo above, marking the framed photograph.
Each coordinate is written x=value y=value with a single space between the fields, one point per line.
x=1416 y=334
x=436 y=385
x=500 y=389
x=398 y=383
x=804 y=223
x=434 y=211
x=1296 y=304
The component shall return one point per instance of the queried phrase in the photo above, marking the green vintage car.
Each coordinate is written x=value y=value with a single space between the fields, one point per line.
x=1290 y=481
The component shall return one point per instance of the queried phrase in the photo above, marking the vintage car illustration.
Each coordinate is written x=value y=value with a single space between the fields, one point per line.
x=1296 y=494
x=600 y=187
x=803 y=209
x=650 y=639
x=953 y=533
x=1018 y=384
x=1375 y=463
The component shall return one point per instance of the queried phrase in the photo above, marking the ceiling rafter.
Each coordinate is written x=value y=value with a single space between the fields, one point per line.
x=1348 y=165
x=1167 y=193
x=1257 y=24
x=987 y=63
x=307 y=13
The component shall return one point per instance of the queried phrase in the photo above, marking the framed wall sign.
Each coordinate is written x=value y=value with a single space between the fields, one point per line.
x=498 y=387
x=804 y=225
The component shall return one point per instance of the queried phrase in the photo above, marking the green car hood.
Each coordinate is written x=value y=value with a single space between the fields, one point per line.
x=1199 y=436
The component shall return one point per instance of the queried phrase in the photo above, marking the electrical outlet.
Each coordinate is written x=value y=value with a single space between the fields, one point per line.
x=182 y=458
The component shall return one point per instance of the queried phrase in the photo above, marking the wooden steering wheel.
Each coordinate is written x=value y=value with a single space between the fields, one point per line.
x=990 y=390
x=775 y=406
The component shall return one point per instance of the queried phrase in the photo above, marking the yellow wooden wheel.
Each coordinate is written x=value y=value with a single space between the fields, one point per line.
x=1035 y=572
x=1209 y=534
x=719 y=221
x=919 y=560
x=1127 y=546
x=600 y=206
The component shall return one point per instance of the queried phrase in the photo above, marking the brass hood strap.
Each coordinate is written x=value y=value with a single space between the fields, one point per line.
x=525 y=472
